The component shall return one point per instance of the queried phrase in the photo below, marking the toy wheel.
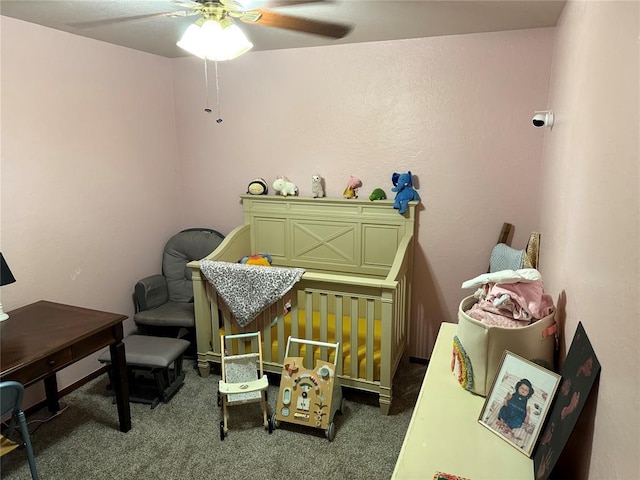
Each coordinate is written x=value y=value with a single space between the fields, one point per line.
x=222 y=430
x=274 y=423
x=270 y=425
x=342 y=405
x=330 y=432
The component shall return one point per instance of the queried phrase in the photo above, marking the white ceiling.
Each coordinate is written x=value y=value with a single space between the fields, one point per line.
x=371 y=20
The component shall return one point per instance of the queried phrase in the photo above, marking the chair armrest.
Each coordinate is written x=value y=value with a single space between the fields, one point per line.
x=151 y=292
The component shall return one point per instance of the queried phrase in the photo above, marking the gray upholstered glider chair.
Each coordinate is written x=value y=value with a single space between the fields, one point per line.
x=164 y=302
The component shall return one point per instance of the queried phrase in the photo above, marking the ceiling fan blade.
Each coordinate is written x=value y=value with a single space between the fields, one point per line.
x=146 y=16
x=187 y=3
x=253 y=4
x=288 y=22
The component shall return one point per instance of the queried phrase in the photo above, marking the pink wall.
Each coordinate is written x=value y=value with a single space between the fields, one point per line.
x=93 y=151
x=90 y=178
x=455 y=110
x=99 y=168
x=589 y=203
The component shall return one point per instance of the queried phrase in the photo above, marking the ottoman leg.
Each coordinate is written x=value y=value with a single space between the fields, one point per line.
x=170 y=379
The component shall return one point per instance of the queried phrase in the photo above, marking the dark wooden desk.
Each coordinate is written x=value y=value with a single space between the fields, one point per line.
x=42 y=338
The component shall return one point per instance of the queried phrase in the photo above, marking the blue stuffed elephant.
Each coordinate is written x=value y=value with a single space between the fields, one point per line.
x=405 y=192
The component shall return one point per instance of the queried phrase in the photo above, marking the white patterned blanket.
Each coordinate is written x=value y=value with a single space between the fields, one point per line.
x=249 y=289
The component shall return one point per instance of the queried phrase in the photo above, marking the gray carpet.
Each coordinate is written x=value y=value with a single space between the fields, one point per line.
x=181 y=439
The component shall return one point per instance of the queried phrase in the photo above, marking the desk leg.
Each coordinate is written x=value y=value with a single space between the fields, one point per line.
x=120 y=384
x=51 y=390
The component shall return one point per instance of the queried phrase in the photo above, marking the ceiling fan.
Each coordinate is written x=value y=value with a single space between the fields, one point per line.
x=243 y=10
x=214 y=35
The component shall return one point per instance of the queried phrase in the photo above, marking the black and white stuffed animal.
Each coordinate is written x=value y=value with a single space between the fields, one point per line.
x=258 y=187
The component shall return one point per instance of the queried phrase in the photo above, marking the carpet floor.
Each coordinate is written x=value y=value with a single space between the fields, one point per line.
x=181 y=439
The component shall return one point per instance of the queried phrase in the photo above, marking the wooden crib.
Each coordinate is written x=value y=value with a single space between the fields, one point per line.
x=356 y=289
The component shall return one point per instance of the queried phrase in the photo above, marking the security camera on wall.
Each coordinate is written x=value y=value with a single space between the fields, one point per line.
x=543 y=119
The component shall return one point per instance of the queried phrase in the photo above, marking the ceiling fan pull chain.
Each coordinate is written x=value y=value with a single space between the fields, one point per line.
x=219 y=119
x=206 y=87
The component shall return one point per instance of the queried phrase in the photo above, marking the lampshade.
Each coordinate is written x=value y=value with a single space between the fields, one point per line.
x=6 y=277
x=215 y=40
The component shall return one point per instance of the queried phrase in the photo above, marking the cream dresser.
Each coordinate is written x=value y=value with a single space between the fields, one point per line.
x=444 y=434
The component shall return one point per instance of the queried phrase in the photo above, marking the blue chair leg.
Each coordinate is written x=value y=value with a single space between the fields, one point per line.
x=27 y=442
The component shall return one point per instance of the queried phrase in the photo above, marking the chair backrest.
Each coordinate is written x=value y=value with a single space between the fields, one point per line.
x=241 y=368
x=504 y=257
x=184 y=247
x=10 y=396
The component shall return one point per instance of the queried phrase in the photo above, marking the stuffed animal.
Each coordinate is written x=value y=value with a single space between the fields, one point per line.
x=316 y=186
x=352 y=187
x=257 y=187
x=404 y=191
x=263 y=259
x=394 y=178
x=377 y=194
x=284 y=187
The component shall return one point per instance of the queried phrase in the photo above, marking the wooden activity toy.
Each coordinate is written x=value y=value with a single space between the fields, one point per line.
x=309 y=397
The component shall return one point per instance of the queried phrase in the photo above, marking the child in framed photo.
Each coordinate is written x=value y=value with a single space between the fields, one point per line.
x=515 y=410
x=519 y=401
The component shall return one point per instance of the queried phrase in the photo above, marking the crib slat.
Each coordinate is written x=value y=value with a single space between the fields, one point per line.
x=266 y=338
x=402 y=297
x=369 y=348
x=226 y=317
x=215 y=321
x=295 y=318
x=399 y=299
x=354 y=338
x=308 y=312
x=337 y=308
x=324 y=314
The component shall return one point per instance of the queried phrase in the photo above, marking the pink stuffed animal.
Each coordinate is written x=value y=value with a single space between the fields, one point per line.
x=352 y=187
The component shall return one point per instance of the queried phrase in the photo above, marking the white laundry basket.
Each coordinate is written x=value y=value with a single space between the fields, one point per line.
x=478 y=348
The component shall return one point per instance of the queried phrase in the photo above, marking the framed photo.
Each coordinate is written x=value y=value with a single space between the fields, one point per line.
x=519 y=400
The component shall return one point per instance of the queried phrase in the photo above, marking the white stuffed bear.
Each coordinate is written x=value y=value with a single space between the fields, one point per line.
x=284 y=187
x=316 y=186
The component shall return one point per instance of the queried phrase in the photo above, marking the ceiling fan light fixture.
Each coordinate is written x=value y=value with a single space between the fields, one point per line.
x=191 y=41
x=235 y=41
x=215 y=40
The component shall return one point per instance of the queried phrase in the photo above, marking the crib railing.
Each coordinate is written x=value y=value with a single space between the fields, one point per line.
x=367 y=316
x=317 y=310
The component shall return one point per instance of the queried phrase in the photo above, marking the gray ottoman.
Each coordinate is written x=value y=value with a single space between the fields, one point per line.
x=154 y=365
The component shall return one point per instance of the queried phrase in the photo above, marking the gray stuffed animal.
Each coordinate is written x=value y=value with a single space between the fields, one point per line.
x=316 y=186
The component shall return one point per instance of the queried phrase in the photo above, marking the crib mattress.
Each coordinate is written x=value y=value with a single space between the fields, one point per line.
x=346 y=344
